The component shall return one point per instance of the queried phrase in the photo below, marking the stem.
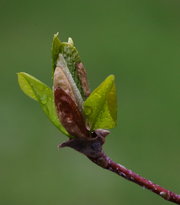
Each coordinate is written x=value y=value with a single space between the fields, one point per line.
x=92 y=148
x=106 y=163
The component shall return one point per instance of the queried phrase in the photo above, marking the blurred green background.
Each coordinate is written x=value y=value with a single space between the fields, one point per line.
x=139 y=42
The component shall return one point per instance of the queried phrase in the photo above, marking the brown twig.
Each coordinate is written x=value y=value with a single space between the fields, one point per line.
x=93 y=150
x=106 y=163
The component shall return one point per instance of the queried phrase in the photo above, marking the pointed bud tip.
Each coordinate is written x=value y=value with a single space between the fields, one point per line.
x=56 y=34
x=70 y=41
x=112 y=76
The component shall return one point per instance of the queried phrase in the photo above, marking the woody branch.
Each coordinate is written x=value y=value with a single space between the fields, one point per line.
x=93 y=150
x=132 y=176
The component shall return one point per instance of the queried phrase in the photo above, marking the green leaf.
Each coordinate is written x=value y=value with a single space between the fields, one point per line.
x=100 y=107
x=71 y=58
x=40 y=92
x=56 y=46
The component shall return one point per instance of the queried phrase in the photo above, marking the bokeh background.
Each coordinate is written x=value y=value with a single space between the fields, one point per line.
x=139 y=42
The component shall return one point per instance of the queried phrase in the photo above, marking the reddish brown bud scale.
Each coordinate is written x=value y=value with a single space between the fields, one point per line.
x=83 y=78
x=69 y=114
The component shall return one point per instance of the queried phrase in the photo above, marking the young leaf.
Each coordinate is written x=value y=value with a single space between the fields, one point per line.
x=66 y=52
x=56 y=47
x=100 y=107
x=40 y=92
